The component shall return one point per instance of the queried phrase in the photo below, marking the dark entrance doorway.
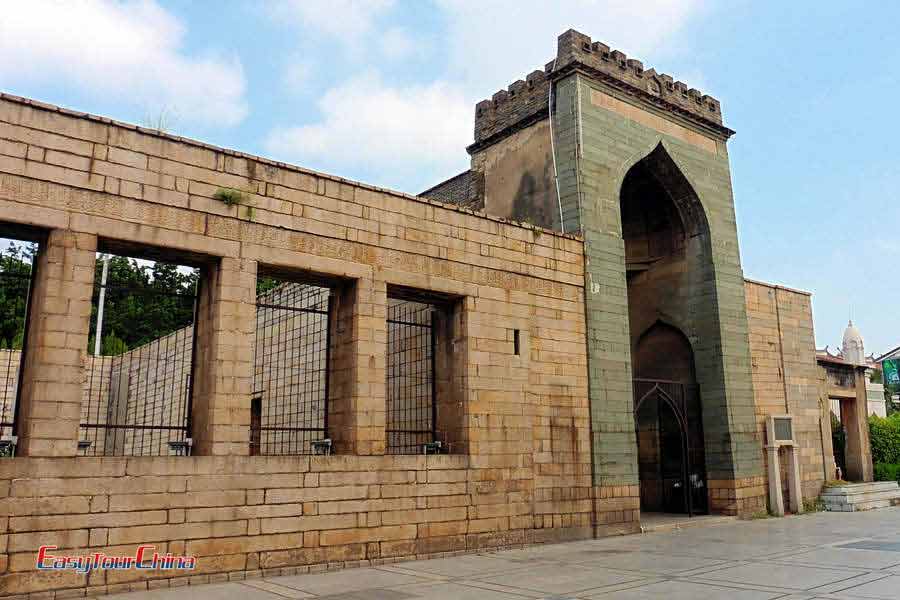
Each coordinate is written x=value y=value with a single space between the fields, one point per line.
x=670 y=454
x=668 y=420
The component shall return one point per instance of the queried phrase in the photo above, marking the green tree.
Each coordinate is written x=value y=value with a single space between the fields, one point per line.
x=143 y=302
x=264 y=284
x=15 y=279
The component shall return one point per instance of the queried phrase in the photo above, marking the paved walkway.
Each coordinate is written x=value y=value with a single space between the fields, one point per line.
x=837 y=556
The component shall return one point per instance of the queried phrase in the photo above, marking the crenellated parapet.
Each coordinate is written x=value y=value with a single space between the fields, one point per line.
x=524 y=102
x=576 y=48
x=520 y=103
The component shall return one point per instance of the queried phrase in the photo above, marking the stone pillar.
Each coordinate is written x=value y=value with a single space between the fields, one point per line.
x=776 y=499
x=794 y=485
x=452 y=344
x=356 y=406
x=223 y=358
x=58 y=328
x=858 y=453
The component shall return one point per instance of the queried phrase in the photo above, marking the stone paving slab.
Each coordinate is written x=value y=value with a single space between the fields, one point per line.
x=774 y=575
x=887 y=588
x=826 y=556
x=562 y=579
x=684 y=590
x=861 y=557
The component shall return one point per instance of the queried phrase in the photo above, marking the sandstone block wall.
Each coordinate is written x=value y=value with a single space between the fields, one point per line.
x=91 y=183
x=786 y=378
x=249 y=516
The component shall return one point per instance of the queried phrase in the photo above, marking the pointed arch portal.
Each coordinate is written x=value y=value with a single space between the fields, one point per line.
x=666 y=236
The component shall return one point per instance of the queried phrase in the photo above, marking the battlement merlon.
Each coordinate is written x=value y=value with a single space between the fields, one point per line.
x=525 y=102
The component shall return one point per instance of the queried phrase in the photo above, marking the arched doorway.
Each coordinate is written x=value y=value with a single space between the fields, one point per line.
x=668 y=422
x=670 y=303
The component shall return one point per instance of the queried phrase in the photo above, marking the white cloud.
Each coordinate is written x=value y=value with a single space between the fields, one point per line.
x=491 y=44
x=346 y=19
x=396 y=43
x=367 y=124
x=128 y=50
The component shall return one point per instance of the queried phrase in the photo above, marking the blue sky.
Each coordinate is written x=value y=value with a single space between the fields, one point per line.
x=383 y=91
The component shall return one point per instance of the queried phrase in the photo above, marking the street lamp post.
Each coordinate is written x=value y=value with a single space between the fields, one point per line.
x=99 y=334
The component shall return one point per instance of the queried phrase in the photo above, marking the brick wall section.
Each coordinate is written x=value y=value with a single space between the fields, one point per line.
x=785 y=376
x=527 y=477
x=462 y=189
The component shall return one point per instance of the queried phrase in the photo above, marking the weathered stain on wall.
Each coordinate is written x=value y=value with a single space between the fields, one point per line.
x=518 y=177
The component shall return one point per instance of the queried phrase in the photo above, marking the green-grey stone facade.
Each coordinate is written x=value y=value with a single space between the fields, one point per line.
x=596 y=148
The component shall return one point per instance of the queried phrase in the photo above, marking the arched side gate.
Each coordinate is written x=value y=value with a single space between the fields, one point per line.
x=678 y=397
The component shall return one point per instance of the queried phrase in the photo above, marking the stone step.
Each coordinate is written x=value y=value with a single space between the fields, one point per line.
x=861 y=496
x=851 y=498
x=859 y=488
x=860 y=506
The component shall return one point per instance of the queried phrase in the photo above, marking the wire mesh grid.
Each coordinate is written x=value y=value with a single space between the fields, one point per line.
x=137 y=401
x=289 y=408
x=410 y=376
x=15 y=286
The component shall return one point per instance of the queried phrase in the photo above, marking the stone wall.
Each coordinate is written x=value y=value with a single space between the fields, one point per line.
x=251 y=515
x=93 y=184
x=786 y=377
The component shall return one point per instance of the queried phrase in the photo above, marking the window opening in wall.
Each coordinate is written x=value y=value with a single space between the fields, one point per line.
x=838 y=436
x=138 y=373
x=411 y=378
x=17 y=257
x=292 y=356
x=255 y=425
x=516 y=343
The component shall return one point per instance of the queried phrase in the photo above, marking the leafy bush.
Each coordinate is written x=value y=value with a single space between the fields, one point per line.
x=887 y=472
x=113 y=345
x=884 y=434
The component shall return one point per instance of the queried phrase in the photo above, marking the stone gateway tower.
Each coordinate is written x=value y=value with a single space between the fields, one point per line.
x=637 y=163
